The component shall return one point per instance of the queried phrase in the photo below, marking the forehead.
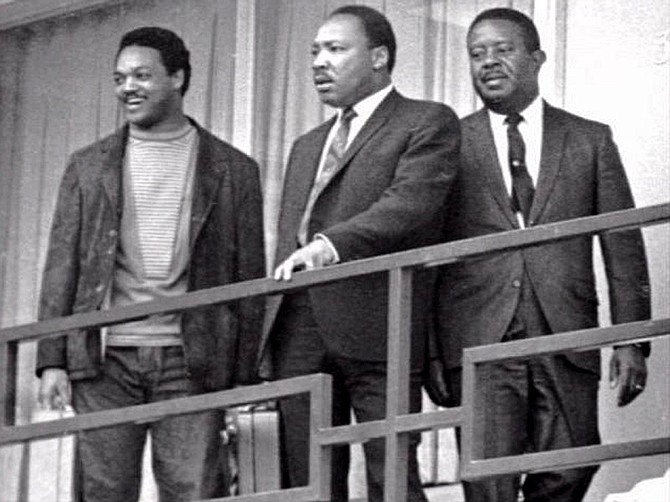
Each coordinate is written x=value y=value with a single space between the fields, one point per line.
x=134 y=56
x=343 y=28
x=495 y=31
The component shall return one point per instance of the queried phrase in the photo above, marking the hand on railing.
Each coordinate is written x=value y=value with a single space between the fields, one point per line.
x=55 y=392
x=316 y=254
x=628 y=371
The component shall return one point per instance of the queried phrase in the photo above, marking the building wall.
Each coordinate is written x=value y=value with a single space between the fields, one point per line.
x=617 y=71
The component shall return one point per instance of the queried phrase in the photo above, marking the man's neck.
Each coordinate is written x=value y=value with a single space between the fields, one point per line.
x=506 y=107
x=172 y=124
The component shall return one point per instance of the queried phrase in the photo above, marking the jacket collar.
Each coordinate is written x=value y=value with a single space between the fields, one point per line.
x=554 y=136
x=486 y=155
x=208 y=174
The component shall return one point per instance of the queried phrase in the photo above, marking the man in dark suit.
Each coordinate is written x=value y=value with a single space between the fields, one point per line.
x=526 y=163
x=158 y=208
x=371 y=180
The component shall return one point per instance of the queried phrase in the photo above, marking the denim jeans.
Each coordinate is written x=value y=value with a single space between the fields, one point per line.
x=185 y=449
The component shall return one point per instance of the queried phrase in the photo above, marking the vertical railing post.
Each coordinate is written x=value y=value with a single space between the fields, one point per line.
x=8 y=355
x=320 y=417
x=397 y=384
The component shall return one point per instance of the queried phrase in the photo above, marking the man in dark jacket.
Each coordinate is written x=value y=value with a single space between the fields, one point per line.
x=158 y=208
x=371 y=180
x=526 y=163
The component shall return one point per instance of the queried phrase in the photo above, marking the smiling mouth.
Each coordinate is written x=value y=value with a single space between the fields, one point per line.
x=133 y=103
x=493 y=78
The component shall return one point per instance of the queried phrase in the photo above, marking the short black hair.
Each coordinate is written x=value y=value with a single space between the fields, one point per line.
x=531 y=38
x=377 y=28
x=174 y=54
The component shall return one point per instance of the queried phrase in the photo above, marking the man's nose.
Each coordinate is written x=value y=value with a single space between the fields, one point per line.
x=490 y=59
x=129 y=85
x=320 y=59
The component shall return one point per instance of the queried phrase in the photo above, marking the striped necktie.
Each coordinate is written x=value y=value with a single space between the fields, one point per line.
x=330 y=166
x=522 y=184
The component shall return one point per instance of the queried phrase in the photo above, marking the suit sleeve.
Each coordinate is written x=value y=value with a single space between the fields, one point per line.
x=417 y=192
x=59 y=279
x=250 y=265
x=623 y=251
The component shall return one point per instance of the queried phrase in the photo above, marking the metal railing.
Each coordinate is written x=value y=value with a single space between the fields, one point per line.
x=398 y=421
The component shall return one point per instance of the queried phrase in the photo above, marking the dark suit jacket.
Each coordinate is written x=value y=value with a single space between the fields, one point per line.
x=387 y=196
x=580 y=175
x=226 y=240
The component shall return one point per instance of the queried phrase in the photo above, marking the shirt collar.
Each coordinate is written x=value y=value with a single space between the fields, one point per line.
x=532 y=115
x=366 y=106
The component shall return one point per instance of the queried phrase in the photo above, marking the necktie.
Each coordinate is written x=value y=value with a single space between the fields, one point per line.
x=330 y=165
x=522 y=183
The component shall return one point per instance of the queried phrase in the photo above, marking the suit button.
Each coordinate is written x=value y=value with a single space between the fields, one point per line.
x=112 y=233
x=516 y=283
x=99 y=288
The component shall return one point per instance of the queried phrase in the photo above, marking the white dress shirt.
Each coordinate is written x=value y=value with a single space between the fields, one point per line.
x=531 y=132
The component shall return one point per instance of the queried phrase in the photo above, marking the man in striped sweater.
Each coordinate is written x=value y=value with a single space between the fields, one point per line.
x=158 y=208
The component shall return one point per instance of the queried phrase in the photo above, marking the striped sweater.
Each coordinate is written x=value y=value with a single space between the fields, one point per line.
x=153 y=256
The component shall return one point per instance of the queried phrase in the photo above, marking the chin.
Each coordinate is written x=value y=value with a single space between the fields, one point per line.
x=329 y=100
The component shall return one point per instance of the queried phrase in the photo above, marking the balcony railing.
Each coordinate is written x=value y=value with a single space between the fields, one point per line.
x=398 y=421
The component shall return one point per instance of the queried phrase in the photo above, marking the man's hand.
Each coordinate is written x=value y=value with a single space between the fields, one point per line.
x=628 y=371
x=316 y=254
x=54 y=390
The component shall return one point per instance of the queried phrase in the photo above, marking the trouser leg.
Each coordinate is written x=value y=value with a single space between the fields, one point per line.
x=185 y=448
x=297 y=350
x=525 y=414
x=366 y=383
x=110 y=458
x=551 y=428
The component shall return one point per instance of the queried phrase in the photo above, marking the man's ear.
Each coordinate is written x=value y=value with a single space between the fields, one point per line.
x=380 y=57
x=177 y=79
x=539 y=57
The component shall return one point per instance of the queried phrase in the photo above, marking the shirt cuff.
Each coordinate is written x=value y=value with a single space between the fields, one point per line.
x=336 y=256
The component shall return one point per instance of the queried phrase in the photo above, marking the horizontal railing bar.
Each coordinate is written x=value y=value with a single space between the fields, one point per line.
x=302 y=494
x=568 y=341
x=564 y=459
x=542 y=234
x=429 y=420
x=413 y=422
x=154 y=411
x=431 y=255
x=355 y=433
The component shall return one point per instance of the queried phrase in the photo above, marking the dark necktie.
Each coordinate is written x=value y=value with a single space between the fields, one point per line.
x=330 y=166
x=522 y=183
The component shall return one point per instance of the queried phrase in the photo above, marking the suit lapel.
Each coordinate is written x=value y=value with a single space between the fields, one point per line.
x=303 y=165
x=205 y=184
x=112 y=169
x=484 y=148
x=553 y=143
x=378 y=118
